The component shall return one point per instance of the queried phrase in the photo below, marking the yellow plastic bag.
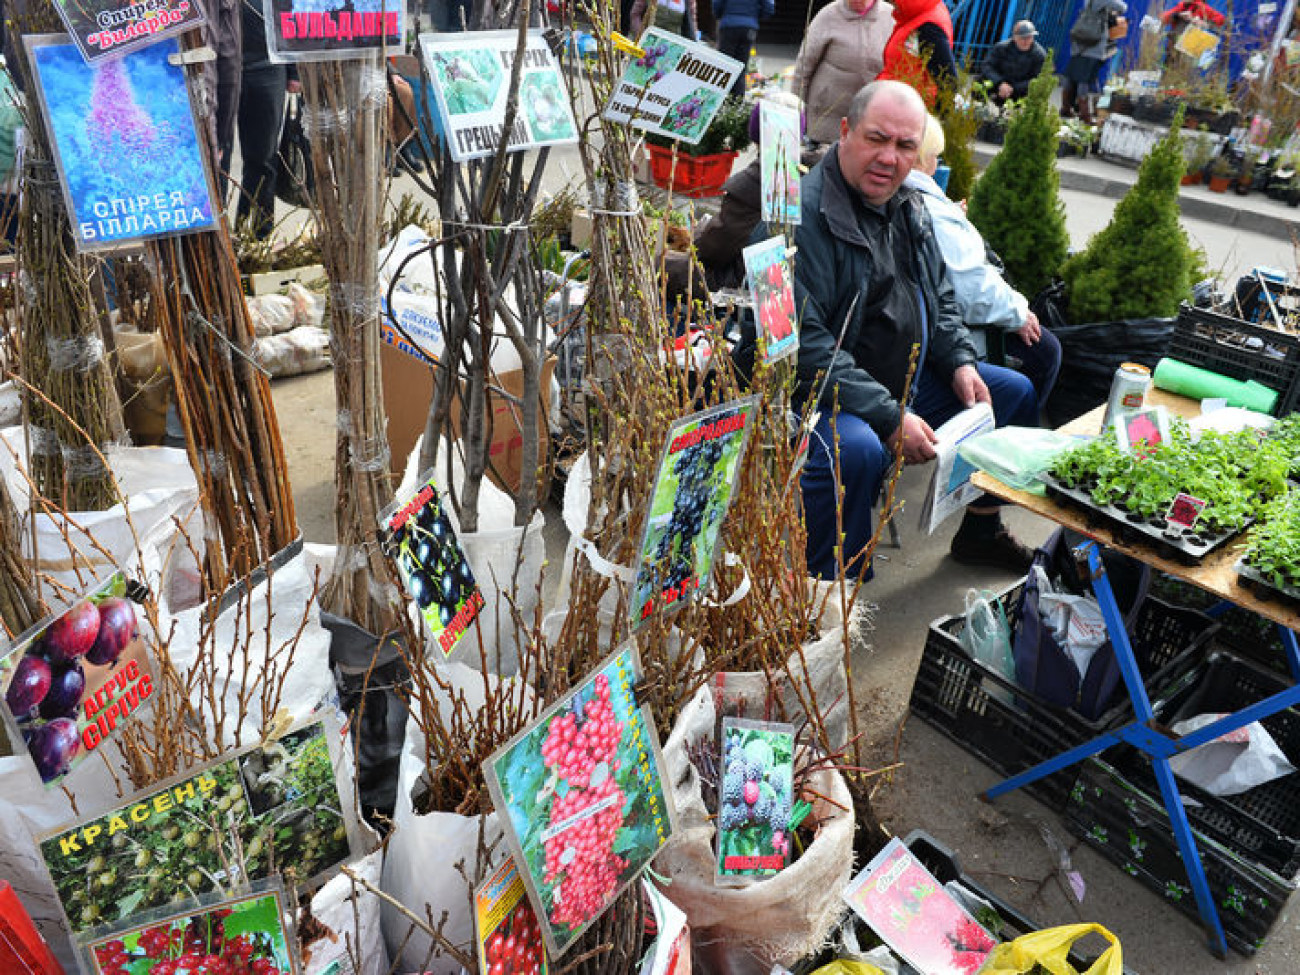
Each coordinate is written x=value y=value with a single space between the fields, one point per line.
x=849 y=968
x=1050 y=949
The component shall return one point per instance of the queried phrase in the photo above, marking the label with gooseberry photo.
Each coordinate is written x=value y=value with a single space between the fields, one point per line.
x=509 y=937
x=693 y=490
x=72 y=682
x=243 y=935
x=432 y=564
x=272 y=809
x=582 y=799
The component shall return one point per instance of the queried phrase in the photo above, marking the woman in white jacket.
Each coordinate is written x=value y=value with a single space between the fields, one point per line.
x=843 y=50
x=983 y=295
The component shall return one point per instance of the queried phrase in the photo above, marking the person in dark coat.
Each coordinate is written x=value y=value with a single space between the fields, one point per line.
x=738 y=29
x=1090 y=47
x=870 y=285
x=1012 y=64
x=261 y=112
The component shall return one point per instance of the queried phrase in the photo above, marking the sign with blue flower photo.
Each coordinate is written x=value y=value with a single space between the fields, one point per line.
x=674 y=89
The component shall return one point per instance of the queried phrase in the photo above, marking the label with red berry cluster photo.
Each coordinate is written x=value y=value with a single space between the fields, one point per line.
x=509 y=938
x=249 y=934
x=74 y=680
x=581 y=795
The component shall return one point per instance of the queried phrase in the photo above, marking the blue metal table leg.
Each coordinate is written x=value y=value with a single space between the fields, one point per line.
x=1191 y=855
x=1055 y=764
x=1292 y=650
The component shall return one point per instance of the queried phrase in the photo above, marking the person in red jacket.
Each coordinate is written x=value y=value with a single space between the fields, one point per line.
x=919 y=51
x=1192 y=12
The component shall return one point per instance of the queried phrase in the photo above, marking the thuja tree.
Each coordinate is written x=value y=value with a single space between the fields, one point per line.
x=1016 y=204
x=1141 y=264
x=958 y=116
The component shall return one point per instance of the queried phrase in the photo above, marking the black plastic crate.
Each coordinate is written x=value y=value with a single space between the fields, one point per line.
x=1130 y=827
x=1245 y=633
x=1012 y=729
x=1239 y=349
x=1262 y=824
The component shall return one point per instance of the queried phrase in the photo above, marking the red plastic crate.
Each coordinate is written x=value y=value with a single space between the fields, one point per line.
x=695 y=176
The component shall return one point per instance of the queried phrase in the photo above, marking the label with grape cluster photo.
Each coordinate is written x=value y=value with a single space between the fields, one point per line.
x=509 y=938
x=581 y=796
x=432 y=564
x=272 y=809
x=755 y=799
x=242 y=933
x=73 y=681
x=693 y=490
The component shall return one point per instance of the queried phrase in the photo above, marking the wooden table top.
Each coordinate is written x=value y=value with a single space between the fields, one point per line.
x=1216 y=573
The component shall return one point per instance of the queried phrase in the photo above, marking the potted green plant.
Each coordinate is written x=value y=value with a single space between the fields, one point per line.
x=701 y=169
x=1221 y=172
x=1201 y=151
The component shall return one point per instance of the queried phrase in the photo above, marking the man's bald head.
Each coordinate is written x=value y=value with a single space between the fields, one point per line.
x=897 y=91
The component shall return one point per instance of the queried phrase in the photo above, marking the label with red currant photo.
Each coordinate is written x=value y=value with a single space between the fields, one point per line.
x=245 y=934
x=74 y=680
x=275 y=808
x=581 y=796
x=509 y=937
x=756 y=798
x=432 y=565
x=693 y=490
x=771 y=283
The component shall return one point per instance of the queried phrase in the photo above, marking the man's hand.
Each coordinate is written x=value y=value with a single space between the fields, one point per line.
x=918 y=440
x=1031 y=331
x=1005 y=90
x=969 y=387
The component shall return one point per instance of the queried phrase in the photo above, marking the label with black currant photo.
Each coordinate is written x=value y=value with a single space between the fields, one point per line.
x=693 y=490
x=755 y=798
x=432 y=564
x=581 y=795
x=74 y=680
x=273 y=809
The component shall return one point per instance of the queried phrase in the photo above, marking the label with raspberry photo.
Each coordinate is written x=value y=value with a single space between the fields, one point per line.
x=249 y=933
x=509 y=937
x=581 y=796
x=755 y=798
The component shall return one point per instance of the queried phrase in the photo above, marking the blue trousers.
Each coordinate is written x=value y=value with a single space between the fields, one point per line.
x=864 y=461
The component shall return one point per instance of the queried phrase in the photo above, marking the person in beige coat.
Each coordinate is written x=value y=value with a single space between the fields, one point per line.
x=842 y=51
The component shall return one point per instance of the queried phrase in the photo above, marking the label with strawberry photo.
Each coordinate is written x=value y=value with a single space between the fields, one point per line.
x=913 y=914
x=246 y=934
x=509 y=937
x=771 y=283
x=693 y=491
x=581 y=796
x=756 y=798
x=74 y=680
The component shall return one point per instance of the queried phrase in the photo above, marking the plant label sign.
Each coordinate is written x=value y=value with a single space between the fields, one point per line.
x=582 y=798
x=778 y=152
x=771 y=284
x=246 y=933
x=275 y=808
x=125 y=142
x=1142 y=431
x=73 y=681
x=103 y=29
x=670 y=954
x=916 y=916
x=509 y=938
x=757 y=798
x=693 y=490
x=471 y=81
x=1185 y=510
x=324 y=30
x=674 y=89
x=432 y=564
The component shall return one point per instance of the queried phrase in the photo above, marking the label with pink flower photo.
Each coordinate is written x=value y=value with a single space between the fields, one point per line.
x=755 y=799
x=674 y=88
x=581 y=795
x=916 y=916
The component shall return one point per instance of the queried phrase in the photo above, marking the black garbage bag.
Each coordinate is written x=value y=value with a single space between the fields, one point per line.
x=1091 y=352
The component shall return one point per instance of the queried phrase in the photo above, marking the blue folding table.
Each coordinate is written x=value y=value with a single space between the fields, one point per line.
x=1216 y=574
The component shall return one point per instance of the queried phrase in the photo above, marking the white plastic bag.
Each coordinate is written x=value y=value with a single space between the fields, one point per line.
x=1232 y=763
x=271 y=314
x=333 y=907
x=292 y=353
x=1075 y=621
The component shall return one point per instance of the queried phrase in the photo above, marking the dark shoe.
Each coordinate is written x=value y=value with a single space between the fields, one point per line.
x=1001 y=551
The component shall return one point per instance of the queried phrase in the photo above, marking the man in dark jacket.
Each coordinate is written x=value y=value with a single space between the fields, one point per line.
x=870 y=284
x=1012 y=64
x=738 y=29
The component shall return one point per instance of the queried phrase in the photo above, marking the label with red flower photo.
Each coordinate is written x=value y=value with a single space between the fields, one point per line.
x=509 y=937
x=248 y=933
x=916 y=916
x=771 y=284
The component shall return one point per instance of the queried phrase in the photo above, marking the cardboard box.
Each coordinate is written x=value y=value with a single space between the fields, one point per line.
x=408 y=391
x=276 y=282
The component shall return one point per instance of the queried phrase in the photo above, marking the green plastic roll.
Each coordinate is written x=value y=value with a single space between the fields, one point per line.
x=1197 y=383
